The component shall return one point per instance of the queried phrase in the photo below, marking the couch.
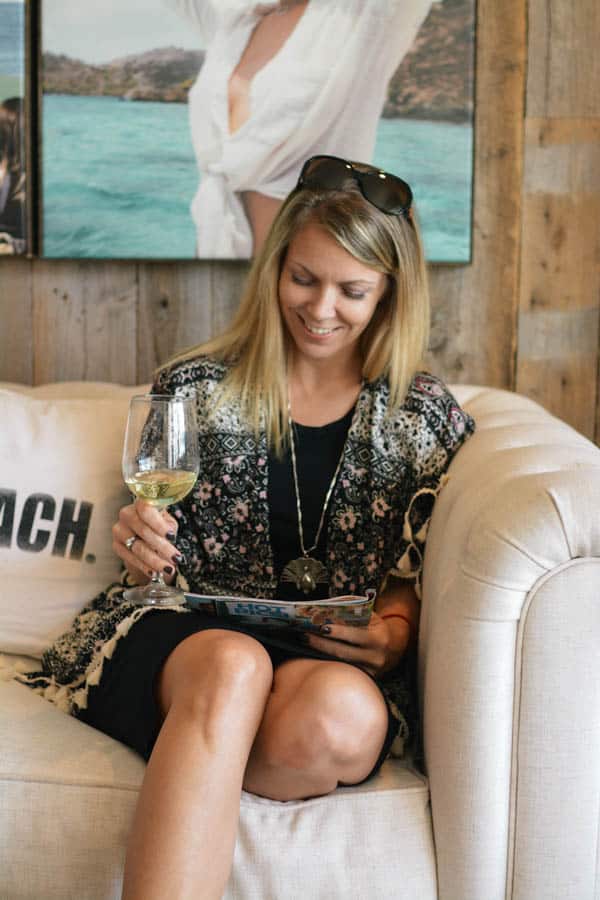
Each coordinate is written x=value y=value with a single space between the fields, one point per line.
x=509 y=679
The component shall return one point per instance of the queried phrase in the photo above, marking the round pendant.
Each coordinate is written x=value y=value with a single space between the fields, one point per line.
x=306 y=573
x=307 y=582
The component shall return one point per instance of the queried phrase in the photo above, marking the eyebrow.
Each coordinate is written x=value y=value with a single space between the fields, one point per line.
x=352 y=281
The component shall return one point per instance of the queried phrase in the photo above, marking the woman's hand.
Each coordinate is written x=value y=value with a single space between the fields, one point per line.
x=153 y=550
x=378 y=647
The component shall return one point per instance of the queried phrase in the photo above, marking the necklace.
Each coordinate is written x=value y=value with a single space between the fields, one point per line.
x=306 y=572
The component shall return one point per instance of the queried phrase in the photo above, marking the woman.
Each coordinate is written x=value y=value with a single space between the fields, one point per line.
x=322 y=444
x=279 y=82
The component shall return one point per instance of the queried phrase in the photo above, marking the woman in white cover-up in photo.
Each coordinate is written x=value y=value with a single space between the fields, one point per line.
x=322 y=445
x=282 y=81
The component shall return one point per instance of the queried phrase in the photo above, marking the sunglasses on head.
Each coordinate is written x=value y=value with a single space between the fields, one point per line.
x=388 y=193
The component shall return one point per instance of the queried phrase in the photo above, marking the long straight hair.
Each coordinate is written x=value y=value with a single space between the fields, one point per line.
x=256 y=343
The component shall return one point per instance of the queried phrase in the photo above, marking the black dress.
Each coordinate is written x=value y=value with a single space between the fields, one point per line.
x=124 y=704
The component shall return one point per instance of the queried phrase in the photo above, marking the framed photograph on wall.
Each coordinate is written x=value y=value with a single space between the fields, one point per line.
x=15 y=193
x=173 y=129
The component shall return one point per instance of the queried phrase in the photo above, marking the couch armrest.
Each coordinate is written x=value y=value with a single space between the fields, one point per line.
x=509 y=670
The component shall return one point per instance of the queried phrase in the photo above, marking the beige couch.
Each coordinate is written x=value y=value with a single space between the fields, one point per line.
x=509 y=678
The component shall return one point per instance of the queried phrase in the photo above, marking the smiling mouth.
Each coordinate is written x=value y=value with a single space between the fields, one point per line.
x=314 y=329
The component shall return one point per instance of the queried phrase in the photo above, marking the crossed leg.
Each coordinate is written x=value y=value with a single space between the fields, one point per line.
x=231 y=722
x=324 y=724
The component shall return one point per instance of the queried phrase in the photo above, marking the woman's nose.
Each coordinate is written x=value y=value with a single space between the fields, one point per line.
x=322 y=306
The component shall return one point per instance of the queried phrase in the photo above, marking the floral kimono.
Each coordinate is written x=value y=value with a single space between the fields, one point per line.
x=392 y=470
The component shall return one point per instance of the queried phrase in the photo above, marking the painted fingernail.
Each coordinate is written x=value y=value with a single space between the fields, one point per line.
x=170 y=536
x=178 y=559
x=325 y=629
x=169 y=570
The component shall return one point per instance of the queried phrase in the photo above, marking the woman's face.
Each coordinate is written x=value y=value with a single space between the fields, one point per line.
x=327 y=297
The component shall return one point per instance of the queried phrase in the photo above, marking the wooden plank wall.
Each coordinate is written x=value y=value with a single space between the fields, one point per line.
x=559 y=296
x=523 y=315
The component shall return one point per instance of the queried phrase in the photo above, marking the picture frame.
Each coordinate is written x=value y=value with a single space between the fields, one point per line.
x=17 y=46
x=127 y=114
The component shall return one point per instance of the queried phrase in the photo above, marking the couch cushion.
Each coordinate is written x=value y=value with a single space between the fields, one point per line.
x=60 y=492
x=69 y=792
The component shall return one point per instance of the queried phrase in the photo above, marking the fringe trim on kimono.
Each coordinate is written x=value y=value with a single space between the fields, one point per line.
x=398 y=747
x=73 y=696
x=410 y=564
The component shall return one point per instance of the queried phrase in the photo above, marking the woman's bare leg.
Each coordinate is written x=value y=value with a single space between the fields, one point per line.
x=324 y=724
x=213 y=689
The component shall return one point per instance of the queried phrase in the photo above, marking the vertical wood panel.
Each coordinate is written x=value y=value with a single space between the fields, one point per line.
x=16 y=321
x=228 y=283
x=564 y=63
x=474 y=307
x=183 y=305
x=84 y=321
x=175 y=311
x=560 y=280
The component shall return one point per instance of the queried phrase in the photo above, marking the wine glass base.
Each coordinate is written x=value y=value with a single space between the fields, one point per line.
x=161 y=596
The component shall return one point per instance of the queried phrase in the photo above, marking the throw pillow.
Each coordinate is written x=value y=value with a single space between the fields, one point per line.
x=60 y=492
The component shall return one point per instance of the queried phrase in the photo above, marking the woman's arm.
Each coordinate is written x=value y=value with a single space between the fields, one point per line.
x=400 y=608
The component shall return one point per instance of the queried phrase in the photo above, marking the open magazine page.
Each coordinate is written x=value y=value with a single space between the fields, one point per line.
x=302 y=614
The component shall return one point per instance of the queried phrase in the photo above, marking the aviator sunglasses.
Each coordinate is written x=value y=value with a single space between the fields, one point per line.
x=387 y=192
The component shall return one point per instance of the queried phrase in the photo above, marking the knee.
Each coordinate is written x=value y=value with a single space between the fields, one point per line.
x=334 y=733
x=214 y=667
x=236 y=659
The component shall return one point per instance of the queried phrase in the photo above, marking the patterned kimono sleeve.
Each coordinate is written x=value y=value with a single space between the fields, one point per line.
x=153 y=427
x=179 y=380
x=444 y=428
x=167 y=383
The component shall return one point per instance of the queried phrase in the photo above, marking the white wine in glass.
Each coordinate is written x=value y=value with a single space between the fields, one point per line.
x=160 y=466
x=162 y=487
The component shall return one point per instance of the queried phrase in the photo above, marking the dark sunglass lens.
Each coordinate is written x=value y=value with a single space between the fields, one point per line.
x=327 y=173
x=386 y=192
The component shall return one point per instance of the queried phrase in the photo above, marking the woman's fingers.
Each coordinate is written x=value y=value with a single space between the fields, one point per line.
x=366 y=646
x=373 y=636
x=170 y=522
x=372 y=659
x=155 y=533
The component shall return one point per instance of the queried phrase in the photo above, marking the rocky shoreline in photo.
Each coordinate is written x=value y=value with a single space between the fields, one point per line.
x=163 y=75
x=432 y=82
x=435 y=78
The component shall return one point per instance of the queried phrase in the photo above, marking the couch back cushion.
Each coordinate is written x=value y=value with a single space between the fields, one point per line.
x=60 y=492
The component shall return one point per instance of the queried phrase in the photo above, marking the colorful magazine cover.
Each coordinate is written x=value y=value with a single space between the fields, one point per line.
x=306 y=615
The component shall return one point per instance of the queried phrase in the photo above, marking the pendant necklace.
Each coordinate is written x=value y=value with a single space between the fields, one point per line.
x=306 y=572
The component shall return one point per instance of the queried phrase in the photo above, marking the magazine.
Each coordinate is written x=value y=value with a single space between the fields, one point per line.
x=307 y=615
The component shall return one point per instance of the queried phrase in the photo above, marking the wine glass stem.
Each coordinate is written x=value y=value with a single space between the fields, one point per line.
x=158 y=580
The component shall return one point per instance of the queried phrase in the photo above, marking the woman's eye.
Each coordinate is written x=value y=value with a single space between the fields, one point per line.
x=303 y=281
x=354 y=295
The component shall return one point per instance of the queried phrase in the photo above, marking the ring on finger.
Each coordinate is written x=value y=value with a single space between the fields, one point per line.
x=131 y=541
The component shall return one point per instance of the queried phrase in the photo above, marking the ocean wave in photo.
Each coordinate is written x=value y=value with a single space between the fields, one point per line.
x=119 y=177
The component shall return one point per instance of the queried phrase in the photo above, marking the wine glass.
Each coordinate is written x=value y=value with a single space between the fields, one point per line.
x=160 y=466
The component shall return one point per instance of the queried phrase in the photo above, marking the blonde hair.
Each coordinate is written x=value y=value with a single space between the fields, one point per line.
x=394 y=342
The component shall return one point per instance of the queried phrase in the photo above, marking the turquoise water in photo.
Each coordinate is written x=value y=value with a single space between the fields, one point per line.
x=118 y=179
x=436 y=158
